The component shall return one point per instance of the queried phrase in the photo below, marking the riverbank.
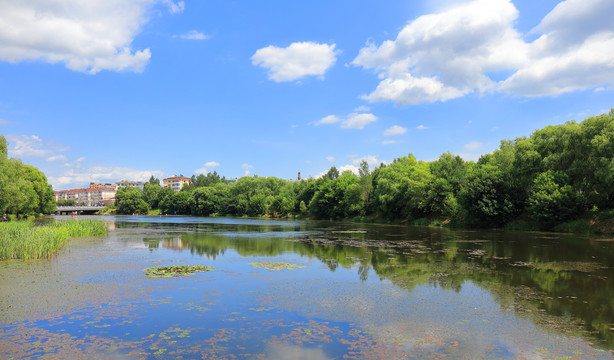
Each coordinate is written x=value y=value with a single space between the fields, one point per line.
x=26 y=240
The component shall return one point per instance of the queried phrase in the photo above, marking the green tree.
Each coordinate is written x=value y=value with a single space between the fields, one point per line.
x=153 y=194
x=129 y=200
x=486 y=198
x=154 y=181
x=552 y=201
x=332 y=173
x=400 y=189
x=204 y=201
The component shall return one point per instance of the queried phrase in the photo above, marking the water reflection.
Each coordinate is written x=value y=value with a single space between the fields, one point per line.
x=562 y=282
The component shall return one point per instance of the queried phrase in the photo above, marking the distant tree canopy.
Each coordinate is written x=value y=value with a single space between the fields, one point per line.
x=24 y=190
x=553 y=176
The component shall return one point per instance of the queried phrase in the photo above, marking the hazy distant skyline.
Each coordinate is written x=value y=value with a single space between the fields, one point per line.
x=109 y=90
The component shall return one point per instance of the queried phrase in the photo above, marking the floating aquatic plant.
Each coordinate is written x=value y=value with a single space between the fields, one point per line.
x=275 y=266
x=175 y=270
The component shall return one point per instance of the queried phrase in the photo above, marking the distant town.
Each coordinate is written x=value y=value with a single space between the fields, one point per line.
x=100 y=194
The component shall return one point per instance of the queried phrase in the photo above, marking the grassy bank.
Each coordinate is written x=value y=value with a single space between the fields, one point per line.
x=24 y=240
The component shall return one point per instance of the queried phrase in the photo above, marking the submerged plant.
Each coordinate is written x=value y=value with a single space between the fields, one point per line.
x=275 y=266
x=175 y=270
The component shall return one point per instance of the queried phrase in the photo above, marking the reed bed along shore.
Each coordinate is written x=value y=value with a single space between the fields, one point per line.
x=25 y=240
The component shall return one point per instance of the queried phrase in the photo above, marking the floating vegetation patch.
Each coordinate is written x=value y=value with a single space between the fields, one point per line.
x=175 y=270
x=276 y=266
x=556 y=266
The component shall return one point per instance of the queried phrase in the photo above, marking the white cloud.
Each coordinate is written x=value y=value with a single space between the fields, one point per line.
x=77 y=179
x=395 y=130
x=194 y=35
x=296 y=61
x=422 y=127
x=87 y=36
x=247 y=167
x=559 y=65
x=358 y=121
x=362 y=108
x=207 y=168
x=55 y=158
x=26 y=145
x=175 y=7
x=330 y=158
x=330 y=119
x=443 y=56
x=474 y=145
x=4 y=122
x=452 y=53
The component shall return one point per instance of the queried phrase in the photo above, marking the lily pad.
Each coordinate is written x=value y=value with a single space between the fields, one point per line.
x=276 y=266
x=175 y=270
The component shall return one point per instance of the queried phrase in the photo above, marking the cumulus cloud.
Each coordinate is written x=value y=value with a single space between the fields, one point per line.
x=443 y=56
x=574 y=52
x=56 y=158
x=358 y=121
x=175 y=7
x=247 y=167
x=454 y=52
x=395 y=130
x=26 y=145
x=422 y=127
x=210 y=165
x=298 y=60
x=330 y=158
x=330 y=119
x=87 y=36
x=194 y=35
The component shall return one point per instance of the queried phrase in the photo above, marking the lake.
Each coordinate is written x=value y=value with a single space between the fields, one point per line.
x=311 y=290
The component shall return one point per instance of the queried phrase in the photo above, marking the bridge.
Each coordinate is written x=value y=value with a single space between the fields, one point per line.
x=79 y=210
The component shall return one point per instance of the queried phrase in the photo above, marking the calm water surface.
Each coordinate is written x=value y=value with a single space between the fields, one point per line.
x=356 y=291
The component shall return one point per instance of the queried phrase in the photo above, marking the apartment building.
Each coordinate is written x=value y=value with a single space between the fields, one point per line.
x=176 y=182
x=124 y=183
x=94 y=185
x=87 y=196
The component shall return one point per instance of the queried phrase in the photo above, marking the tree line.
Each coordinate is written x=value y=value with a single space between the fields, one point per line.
x=24 y=190
x=557 y=174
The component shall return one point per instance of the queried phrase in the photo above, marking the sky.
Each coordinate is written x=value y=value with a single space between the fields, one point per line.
x=110 y=90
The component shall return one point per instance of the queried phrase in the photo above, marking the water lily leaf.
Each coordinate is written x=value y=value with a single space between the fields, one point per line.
x=175 y=270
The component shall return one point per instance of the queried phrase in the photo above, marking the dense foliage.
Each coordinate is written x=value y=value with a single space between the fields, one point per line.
x=24 y=190
x=555 y=175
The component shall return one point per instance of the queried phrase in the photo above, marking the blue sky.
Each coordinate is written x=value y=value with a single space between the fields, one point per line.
x=109 y=90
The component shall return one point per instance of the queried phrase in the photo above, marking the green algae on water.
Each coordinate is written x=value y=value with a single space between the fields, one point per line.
x=175 y=270
x=276 y=266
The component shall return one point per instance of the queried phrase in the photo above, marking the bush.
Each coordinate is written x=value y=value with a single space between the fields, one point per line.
x=577 y=226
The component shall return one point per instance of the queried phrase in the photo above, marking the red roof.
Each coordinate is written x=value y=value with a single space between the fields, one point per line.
x=178 y=178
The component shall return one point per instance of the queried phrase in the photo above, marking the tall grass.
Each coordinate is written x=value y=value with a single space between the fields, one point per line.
x=25 y=240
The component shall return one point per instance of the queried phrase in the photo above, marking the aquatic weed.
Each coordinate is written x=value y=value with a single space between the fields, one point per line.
x=175 y=270
x=25 y=240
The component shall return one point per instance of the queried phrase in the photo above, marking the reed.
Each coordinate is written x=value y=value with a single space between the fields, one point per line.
x=25 y=240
